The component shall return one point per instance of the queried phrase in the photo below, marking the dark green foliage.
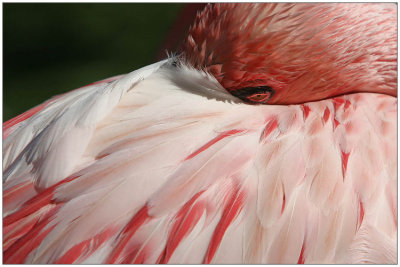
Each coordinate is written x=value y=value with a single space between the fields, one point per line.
x=53 y=48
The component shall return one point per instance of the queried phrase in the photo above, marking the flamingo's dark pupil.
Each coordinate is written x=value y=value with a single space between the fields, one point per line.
x=255 y=95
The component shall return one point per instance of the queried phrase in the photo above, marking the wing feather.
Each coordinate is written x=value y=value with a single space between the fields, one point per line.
x=144 y=170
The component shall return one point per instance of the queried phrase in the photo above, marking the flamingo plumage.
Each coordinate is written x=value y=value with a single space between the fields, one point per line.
x=176 y=162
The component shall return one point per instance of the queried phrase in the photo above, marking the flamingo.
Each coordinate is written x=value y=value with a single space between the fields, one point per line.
x=270 y=138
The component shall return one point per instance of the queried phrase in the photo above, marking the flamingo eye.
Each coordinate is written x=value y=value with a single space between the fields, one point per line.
x=259 y=97
x=256 y=95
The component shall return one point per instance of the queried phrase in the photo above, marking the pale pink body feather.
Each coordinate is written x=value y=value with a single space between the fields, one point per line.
x=162 y=165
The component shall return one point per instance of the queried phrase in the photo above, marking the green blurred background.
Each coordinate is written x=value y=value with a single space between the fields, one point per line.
x=49 y=49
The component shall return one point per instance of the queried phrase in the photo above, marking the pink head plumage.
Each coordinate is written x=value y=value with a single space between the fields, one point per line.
x=294 y=53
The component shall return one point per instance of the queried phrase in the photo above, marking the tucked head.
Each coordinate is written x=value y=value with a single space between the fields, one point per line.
x=295 y=53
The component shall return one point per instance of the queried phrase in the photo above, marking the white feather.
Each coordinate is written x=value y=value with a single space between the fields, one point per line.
x=142 y=140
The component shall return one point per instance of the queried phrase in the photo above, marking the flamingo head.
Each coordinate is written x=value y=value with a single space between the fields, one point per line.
x=295 y=53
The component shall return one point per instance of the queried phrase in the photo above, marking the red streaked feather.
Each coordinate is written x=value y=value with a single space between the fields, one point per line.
x=31 y=206
x=13 y=193
x=185 y=220
x=136 y=256
x=13 y=232
x=138 y=220
x=213 y=141
x=85 y=248
x=271 y=125
x=283 y=202
x=231 y=210
x=345 y=159
x=347 y=104
x=17 y=252
x=34 y=204
x=326 y=114
x=361 y=213
x=337 y=102
x=336 y=123
x=301 y=257
x=306 y=110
